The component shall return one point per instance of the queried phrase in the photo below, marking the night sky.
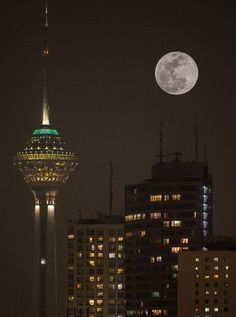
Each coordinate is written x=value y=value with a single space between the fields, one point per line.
x=106 y=104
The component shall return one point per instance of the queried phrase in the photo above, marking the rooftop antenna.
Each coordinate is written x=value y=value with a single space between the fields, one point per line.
x=196 y=138
x=110 y=188
x=161 y=141
x=45 y=114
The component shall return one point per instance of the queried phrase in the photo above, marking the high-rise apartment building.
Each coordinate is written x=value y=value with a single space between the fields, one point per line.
x=168 y=213
x=206 y=283
x=95 y=267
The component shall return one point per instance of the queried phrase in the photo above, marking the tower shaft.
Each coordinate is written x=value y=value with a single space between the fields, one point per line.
x=45 y=268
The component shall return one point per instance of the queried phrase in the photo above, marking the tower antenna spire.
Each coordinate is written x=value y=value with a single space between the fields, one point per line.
x=110 y=188
x=196 y=138
x=45 y=114
x=161 y=141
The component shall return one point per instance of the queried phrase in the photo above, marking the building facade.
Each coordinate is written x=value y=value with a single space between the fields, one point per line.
x=206 y=283
x=163 y=215
x=95 y=268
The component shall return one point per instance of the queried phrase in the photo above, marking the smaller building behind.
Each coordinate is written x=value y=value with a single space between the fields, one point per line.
x=206 y=283
x=95 y=272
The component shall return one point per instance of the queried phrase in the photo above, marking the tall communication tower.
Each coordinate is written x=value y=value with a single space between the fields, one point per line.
x=46 y=166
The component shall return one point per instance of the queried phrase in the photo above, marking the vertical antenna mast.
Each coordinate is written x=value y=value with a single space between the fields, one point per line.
x=110 y=188
x=196 y=138
x=45 y=114
x=161 y=141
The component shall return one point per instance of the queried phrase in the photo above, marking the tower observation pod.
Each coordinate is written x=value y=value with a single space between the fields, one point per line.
x=46 y=166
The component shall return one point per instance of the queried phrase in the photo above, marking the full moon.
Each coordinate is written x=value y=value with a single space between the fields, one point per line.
x=176 y=73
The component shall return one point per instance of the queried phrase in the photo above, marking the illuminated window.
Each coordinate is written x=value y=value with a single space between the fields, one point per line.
x=197 y=259
x=91 y=255
x=120 y=286
x=129 y=234
x=111 y=278
x=207 y=309
x=112 y=255
x=216 y=259
x=197 y=276
x=43 y=261
x=155 y=215
x=196 y=268
x=184 y=240
x=70 y=267
x=90 y=239
x=91 y=278
x=156 y=294
x=166 y=241
x=112 y=239
x=176 y=223
x=99 y=278
x=152 y=259
x=226 y=267
x=166 y=197
x=100 y=286
x=80 y=255
x=157 y=197
x=175 y=249
x=91 y=302
x=207 y=293
x=92 y=247
x=99 y=294
x=142 y=233
x=99 y=309
x=165 y=215
x=112 y=286
x=120 y=270
x=156 y=312
x=71 y=236
x=135 y=217
x=91 y=262
x=70 y=298
x=100 y=239
x=174 y=267
x=207 y=276
x=120 y=239
x=99 y=302
x=100 y=247
x=226 y=275
x=166 y=223
x=158 y=259
x=195 y=214
x=216 y=309
x=216 y=267
x=120 y=247
x=100 y=255
x=79 y=286
x=175 y=196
